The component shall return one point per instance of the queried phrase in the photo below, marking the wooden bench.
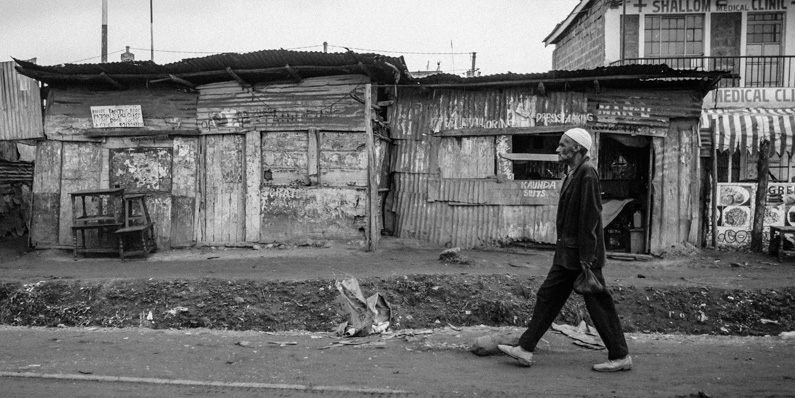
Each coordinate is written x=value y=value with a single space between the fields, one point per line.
x=144 y=233
x=777 y=239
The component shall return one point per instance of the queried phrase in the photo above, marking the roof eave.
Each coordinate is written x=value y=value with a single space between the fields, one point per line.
x=563 y=26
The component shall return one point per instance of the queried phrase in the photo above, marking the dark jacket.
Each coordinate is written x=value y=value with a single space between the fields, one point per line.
x=579 y=219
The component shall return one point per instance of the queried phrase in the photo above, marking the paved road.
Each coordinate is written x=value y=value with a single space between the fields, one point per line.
x=71 y=362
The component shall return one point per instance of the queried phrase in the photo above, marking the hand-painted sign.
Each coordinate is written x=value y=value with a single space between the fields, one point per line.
x=702 y=6
x=753 y=97
x=528 y=192
x=117 y=116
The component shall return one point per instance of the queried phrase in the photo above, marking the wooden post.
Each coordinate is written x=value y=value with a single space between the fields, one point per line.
x=715 y=190
x=761 y=196
x=372 y=186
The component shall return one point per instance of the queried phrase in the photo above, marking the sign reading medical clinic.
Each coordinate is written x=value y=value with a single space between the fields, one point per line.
x=751 y=97
x=117 y=116
x=702 y=6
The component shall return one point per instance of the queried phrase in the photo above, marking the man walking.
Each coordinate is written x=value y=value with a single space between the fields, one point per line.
x=580 y=241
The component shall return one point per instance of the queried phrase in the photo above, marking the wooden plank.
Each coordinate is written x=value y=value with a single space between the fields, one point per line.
x=322 y=102
x=68 y=113
x=529 y=157
x=44 y=222
x=685 y=183
x=530 y=130
x=714 y=199
x=253 y=216
x=284 y=158
x=200 y=210
x=298 y=213
x=374 y=232
x=503 y=144
x=670 y=189
x=182 y=216
x=141 y=169
x=656 y=243
x=82 y=165
x=131 y=132
x=47 y=170
x=184 y=167
x=312 y=156
x=155 y=141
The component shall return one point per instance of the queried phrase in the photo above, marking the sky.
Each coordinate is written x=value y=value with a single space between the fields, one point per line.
x=506 y=35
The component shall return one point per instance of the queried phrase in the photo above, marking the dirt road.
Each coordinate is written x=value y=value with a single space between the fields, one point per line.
x=426 y=365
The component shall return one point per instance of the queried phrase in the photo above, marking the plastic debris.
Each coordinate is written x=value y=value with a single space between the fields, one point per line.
x=365 y=316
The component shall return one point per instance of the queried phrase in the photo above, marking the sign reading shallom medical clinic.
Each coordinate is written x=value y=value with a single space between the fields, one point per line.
x=751 y=97
x=117 y=116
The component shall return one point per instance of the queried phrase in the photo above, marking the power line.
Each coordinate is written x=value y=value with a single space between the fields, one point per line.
x=399 y=52
x=98 y=56
x=218 y=52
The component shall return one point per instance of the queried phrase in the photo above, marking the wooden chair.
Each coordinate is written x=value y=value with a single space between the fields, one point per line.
x=137 y=228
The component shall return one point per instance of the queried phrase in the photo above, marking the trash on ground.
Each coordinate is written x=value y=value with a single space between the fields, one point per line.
x=487 y=345
x=787 y=335
x=365 y=316
x=283 y=343
x=244 y=343
x=355 y=343
x=454 y=256
x=766 y=321
x=582 y=335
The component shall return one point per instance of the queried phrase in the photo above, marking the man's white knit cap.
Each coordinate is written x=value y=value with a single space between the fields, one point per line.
x=580 y=136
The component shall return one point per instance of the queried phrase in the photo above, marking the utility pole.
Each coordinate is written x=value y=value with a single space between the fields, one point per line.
x=325 y=46
x=474 y=56
x=151 y=33
x=104 y=31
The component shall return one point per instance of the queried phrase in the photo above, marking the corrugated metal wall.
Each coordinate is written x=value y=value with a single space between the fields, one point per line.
x=20 y=105
x=465 y=167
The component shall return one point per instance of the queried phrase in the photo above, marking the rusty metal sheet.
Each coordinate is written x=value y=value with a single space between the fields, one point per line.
x=469 y=226
x=290 y=213
x=20 y=105
x=324 y=103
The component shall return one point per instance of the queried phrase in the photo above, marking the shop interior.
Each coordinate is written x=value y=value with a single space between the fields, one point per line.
x=624 y=168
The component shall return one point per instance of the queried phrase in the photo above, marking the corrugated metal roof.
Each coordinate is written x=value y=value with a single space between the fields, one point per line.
x=16 y=171
x=253 y=67
x=20 y=106
x=609 y=76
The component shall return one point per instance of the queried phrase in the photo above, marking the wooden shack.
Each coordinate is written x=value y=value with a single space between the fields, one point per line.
x=230 y=149
x=474 y=162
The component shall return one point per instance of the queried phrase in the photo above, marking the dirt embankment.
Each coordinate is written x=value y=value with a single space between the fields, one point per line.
x=418 y=301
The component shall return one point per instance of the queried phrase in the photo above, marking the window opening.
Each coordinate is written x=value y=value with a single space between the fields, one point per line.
x=667 y=36
x=763 y=46
x=546 y=167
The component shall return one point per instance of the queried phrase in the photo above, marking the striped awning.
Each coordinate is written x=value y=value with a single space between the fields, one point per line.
x=744 y=128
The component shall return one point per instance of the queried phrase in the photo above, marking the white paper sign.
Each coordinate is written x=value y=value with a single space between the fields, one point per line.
x=117 y=116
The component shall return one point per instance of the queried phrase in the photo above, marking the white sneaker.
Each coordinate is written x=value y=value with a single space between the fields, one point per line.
x=614 y=365
x=525 y=358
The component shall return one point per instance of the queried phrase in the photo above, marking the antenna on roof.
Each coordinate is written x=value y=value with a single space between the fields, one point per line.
x=104 y=31
x=452 y=56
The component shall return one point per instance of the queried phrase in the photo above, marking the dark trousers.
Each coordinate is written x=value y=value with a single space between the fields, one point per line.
x=551 y=297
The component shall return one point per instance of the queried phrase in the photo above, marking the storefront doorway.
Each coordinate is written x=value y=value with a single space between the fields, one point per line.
x=624 y=168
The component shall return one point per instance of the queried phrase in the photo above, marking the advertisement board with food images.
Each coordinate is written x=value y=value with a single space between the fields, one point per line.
x=735 y=216
x=735 y=213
